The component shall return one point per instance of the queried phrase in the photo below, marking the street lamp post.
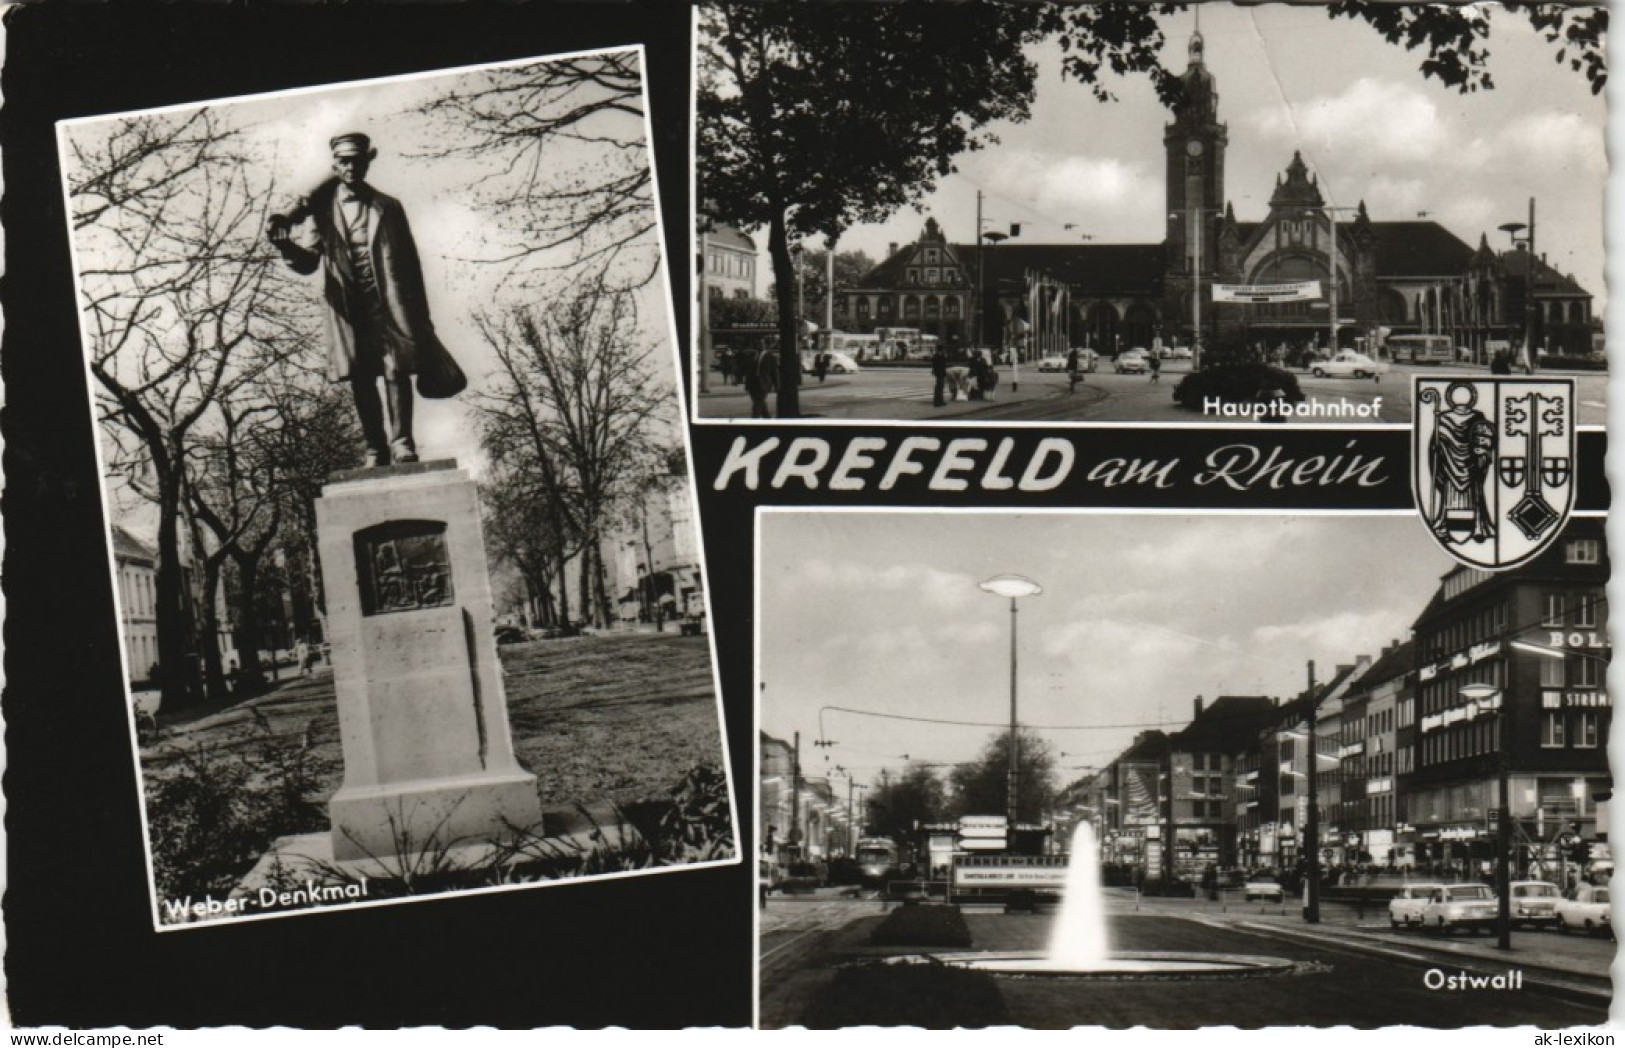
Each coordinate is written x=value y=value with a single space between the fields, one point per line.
x=1194 y=221
x=1512 y=229
x=1012 y=587
x=1331 y=211
x=1488 y=693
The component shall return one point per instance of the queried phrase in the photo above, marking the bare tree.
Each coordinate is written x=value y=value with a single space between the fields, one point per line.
x=576 y=407
x=180 y=305
x=565 y=166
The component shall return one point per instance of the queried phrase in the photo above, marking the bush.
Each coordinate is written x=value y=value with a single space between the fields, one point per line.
x=698 y=825
x=217 y=808
x=922 y=925
x=1236 y=384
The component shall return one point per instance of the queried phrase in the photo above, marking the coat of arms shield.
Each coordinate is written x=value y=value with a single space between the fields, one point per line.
x=1492 y=464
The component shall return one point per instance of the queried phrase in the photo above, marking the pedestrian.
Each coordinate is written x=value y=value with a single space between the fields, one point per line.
x=939 y=372
x=1156 y=367
x=820 y=365
x=1072 y=370
x=761 y=379
x=725 y=364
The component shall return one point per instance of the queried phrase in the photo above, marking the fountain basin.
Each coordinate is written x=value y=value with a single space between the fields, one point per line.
x=1126 y=966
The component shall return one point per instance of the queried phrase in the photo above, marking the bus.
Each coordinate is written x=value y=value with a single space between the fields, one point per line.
x=858 y=347
x=1421 y=349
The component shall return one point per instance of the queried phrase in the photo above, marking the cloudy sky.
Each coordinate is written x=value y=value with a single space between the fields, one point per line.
x=1290 y=79
x=1140 y=614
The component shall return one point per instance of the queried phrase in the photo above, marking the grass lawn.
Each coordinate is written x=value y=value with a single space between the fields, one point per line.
x=602 y=718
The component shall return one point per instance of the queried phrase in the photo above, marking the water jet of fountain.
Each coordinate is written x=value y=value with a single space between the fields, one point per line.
x=1078 y=940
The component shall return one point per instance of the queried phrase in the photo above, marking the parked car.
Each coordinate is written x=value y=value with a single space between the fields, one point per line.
x=1348 y=364
x=1088 y=360
x=1405 y=908
x=511 y=635
x=1133 y=362
x=1451 y=906
x=1535 y=903
x=1585 y=909
x=1179 y=353
x=1263 y=887
x=840 y=363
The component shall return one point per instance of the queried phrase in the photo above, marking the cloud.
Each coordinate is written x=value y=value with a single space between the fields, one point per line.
x=1388 y=120
x=1545 y=143
x=936 y=589
x=1341 y=635
x=1068 y=184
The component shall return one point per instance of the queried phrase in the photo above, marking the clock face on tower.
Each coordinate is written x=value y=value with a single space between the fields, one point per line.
x=1194 y=147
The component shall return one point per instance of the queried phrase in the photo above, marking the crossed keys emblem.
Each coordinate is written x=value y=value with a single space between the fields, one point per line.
x=1493 y=465
x=1534 y=417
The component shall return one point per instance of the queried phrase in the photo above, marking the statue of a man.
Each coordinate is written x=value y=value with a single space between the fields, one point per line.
x=378 y=325
x=1461 y=453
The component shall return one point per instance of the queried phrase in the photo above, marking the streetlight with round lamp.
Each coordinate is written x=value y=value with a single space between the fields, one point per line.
x=1012 y=587
x=1512 y=229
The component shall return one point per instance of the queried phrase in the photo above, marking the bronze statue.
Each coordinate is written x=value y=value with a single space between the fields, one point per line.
x=378 y=324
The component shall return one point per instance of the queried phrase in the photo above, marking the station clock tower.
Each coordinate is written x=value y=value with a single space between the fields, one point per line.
x=1194 y=144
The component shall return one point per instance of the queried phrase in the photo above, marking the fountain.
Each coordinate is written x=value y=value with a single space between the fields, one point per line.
x=1079 y=948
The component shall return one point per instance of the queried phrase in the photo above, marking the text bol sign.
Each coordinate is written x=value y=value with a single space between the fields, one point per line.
x=1265 y=294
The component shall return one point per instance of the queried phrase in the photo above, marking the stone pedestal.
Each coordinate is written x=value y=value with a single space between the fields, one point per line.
x=428 y=757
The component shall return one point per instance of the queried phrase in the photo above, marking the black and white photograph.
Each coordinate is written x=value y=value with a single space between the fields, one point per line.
x=402 y=519
x=1139 y=213
x=1178 y=771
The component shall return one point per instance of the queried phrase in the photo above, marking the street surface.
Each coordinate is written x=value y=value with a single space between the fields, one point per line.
x=904 y=394
x=1353 y=969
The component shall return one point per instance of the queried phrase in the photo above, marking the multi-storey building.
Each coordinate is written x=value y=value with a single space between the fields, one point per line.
x=730 y=263
x=137 y=570
x=1510 y=672
x=1203 y=767
x=1369 y=811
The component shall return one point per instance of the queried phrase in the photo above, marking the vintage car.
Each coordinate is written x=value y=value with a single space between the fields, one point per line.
x=1535 y=903
x=1133 y=362
x=1451 y=906
x=1263 y=887
x=1348 y=364
x=1585 y=909
x=1405 y=908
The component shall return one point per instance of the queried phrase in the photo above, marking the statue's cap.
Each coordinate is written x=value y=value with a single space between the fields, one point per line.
x=351 y=143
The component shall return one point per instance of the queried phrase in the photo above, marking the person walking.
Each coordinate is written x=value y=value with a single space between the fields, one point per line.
x=1156 y=367
x=1072 y=370
x=761 y=378
x=939 y=372
x=821 y=365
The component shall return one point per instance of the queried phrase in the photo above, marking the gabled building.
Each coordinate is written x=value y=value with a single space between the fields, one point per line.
x=1392 y=277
